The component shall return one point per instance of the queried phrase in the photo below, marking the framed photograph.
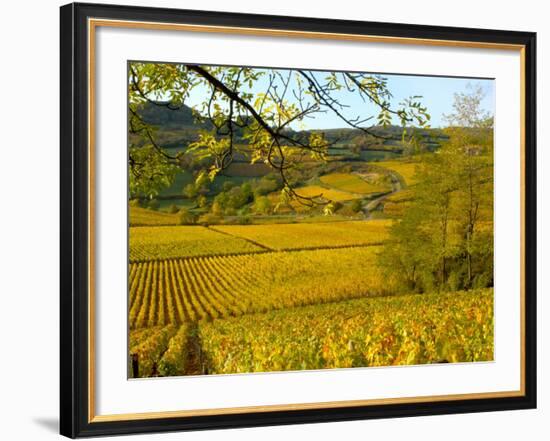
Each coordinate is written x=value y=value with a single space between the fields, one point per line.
x=273 y=220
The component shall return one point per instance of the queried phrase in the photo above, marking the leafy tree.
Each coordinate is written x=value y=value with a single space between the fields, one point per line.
x=228 y=202
x=331 y=207
x=473 y=164
x=266 y=185
x=444 y=240
x=202 y=201
x=363 y=142
x=467 y=110
x=150 y=172
x=209 y=219
x=259 y=107
x=471 y=142
x=217 y=208
x=227 y=185
x=408 y=259
x=190 y=191
x=356 y=205
x=186 y=217
x=262 y=205
x=153 y=204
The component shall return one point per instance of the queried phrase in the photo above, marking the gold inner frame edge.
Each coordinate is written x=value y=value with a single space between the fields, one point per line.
x=92 y=25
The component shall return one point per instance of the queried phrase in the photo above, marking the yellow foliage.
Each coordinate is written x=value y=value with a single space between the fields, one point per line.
x=187 y=290
x=152 y=243
x=149 y=347
x=401 y=330
x=312 y=191
x=406 y=169
x=396 y=203
x=142 y=216
x=312 y=235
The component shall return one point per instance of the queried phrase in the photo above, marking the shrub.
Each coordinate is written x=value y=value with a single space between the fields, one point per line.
x=173 y=208
x=190 y=191
x=202 y=201
x=332 y=207
x=209 y=219
x=356 y=206
x=346 y=169
x=227 y=185
x=217 y=208
x=153 y=204
x=243 y=220
x=233 y=199
x=186 y=217
x=262 y=205
x=265 y=186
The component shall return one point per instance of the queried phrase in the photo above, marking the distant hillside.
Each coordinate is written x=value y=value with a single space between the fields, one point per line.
x=179 y=127
x=165 y=117
x=345 y=137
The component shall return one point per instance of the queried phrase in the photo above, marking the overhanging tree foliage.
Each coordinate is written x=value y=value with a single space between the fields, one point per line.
x=263 y=109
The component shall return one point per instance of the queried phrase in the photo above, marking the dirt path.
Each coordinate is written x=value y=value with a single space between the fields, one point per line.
x=259 y=245
x=396 y=186
x=194 y=350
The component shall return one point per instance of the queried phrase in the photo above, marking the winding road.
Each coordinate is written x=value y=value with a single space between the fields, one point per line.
x=396 y=186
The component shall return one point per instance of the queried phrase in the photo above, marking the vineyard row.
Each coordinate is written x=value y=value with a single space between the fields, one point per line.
x=176 y=291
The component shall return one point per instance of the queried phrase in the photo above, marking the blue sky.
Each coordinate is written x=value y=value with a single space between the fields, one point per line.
x=437 y=95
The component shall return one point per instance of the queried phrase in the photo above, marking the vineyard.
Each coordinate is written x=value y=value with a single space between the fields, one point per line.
x=251 y=298
x=311 y=235
x=394 y=330
x=181 y=278
x=225 y=298
x=142 y=217
x=176 y=291
x=267 y=231
x=153 y=243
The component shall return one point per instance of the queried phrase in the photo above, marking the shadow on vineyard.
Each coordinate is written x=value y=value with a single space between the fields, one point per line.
x=195 y=364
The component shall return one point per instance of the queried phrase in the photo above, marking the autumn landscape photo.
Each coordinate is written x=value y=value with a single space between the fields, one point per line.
x=296 y=219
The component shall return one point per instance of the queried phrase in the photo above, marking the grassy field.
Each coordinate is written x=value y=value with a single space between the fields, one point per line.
x=380 y=331
x=143 y=217
x=165 y=204
x=311 y=235
x=349 y=182
x=187 y=290
x=326 y=193
x=406 y=169
x=368 y=156
x=154 y=243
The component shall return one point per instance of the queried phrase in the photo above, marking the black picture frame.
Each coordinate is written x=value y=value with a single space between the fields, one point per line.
x=74 y=227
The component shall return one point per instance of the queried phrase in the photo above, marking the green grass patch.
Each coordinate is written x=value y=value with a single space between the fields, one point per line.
x=350 y=182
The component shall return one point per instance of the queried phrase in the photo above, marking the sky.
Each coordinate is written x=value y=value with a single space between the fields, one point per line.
x=437 y=95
